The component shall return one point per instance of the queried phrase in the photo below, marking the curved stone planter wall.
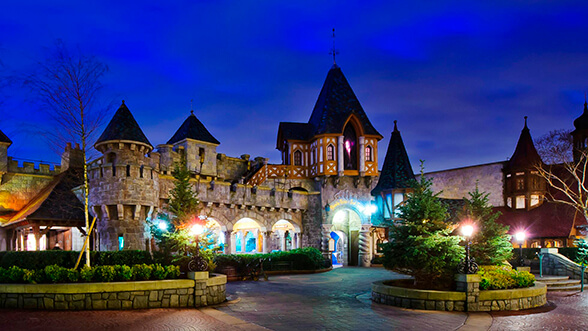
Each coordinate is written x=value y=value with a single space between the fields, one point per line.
x=514 y=299
x=559 y=265
x=196 y=292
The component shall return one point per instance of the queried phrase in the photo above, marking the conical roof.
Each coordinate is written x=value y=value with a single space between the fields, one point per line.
x=192 y=128
x=581 y=123
x=4 y=138
x=525 y=155
x=335 y=104
x=397 y=171
x=123 y=126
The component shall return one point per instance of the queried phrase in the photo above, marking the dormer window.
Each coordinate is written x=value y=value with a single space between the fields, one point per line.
x=520 y=184
x=368 y=154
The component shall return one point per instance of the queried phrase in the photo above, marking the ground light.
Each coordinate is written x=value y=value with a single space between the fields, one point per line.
x=520 y=237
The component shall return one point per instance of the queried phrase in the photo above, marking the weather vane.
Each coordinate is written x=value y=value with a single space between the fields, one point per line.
x=334 y=51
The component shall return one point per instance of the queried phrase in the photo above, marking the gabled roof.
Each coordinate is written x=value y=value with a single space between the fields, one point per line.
x=56 y=202
x=335 y=104
x=192 y=128
x=581 y=123
x=4 y=138
x=550 y=220
x=525 y=155
x=397 y=171
x=293 y=131
x=123 y=126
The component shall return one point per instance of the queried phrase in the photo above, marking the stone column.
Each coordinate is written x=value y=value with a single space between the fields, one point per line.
x=243 y=241
x=266 y=236
x=340 y=158
x=364 y=247
x=361 y=155
x=470 y=284
x=228 y=242
x=37 y=234
x=326 y=235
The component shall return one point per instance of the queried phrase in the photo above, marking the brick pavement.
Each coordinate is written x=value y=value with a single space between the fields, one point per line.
x=335 y=300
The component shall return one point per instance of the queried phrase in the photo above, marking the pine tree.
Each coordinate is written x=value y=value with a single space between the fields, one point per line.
x=421 y=245
x=183 y=203
x=582 y=255
x=491 y=243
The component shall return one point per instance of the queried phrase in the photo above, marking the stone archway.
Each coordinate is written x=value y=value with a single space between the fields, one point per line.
x=348 y=222
x=285 y=236
x=247 y=236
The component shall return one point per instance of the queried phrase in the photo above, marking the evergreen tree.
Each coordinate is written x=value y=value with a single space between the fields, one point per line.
x=491 y=243
x=421 y=245
x=183 y=203
x=582 y=255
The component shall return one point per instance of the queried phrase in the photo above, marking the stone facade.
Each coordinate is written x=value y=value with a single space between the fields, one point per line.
x=200 y=292
x=456 y=183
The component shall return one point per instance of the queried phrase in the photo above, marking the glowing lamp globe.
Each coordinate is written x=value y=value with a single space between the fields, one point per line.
x=196 y=229
x=162 y=225
x=520 y=236
x=467 y=230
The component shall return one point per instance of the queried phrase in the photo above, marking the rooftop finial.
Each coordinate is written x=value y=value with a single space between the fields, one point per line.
x=123 y=102
x=395 y=127
x=334 y=51
x=525 y=121
x=192 y=106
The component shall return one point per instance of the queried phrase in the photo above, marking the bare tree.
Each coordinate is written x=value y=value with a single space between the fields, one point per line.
x=565 y=176
x=67 y=85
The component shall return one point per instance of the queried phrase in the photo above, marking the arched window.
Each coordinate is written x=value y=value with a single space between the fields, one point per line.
x=298 y=158
x=368 y=154
x=350 y=148
x=330 y=153
x=128 y=170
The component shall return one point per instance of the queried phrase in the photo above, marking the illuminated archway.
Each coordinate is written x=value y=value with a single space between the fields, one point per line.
x=247 y=236
x=286 y=236
x=347 y=225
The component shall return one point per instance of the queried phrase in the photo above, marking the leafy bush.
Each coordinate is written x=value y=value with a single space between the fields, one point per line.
x=104 y=273
x=86 y=274
x=159 y=272
x=55 y=273
x=504 y=277
x=307 y=258
x=172 y=271
x=123 y=272
x=37 y=260
x=142 y=272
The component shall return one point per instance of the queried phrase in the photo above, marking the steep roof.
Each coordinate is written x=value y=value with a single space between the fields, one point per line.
x=192 y=128
x=525 y=154
x=550 y=220
x=293 y=131
x=581 y=123
x=56 y=202
x=4 y=138
x=123 y=126
x=397 y=171
x=335 y=104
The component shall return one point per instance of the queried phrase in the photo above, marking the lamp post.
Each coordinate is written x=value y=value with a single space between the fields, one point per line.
x=467 y=231
x=520 y=237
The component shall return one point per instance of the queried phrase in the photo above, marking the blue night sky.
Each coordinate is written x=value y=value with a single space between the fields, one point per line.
x=458 y=76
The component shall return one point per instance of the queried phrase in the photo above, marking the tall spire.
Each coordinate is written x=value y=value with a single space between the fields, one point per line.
x=123 y=127
x=525 y=154
x=396 y=171
x=334 y=51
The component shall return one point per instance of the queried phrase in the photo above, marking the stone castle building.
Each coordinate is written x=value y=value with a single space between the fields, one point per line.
x=327 y=192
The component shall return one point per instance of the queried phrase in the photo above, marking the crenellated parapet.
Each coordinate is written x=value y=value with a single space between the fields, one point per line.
x=33 y=168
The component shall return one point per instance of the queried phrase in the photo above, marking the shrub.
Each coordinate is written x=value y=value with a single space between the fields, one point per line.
x=15 y=274
x=504 y=277
x=142 y=272
x=172 y=271
x=86 y=274
x=123 y=272
x=104 y=273
x=159 y=272
x=55 y=274
x=37 y=260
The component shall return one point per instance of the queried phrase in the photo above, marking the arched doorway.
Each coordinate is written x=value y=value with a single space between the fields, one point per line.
x=247 y=236
x=213 y=232
x=286 y=236
x=339 y=249
x=348 y=223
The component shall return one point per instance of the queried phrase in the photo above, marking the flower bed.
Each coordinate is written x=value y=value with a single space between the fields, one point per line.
x=106 y=273
x=504 y=277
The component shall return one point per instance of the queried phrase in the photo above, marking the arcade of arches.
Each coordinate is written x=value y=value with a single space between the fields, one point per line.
x=248 y=236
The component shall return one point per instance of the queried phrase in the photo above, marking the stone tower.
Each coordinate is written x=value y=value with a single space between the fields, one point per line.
x=124 y=184
x=5 y=142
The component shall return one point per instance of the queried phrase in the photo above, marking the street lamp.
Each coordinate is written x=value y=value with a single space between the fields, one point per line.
x=467 y=231
x=520 y=237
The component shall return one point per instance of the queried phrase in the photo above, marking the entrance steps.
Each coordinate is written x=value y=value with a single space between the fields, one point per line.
x=559 y=283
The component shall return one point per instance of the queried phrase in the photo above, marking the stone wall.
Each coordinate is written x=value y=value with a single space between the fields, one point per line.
x=556 y=264
x=456 y=183
x=180 y=293
x=468 y=291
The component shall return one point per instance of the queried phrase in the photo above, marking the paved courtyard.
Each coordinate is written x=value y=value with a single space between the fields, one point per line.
x=336 y=300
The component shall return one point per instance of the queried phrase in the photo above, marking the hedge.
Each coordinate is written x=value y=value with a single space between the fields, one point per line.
x=36 y=260
x=301 y=258
x=104 y=273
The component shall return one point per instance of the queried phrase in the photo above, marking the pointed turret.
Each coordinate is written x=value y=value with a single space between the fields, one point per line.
x=580 y=134
x=123 y=128
x=525 y=155
x=335 y=104
x=581 y=123
x=192 y=128
x=397 y=171
x=4 y=139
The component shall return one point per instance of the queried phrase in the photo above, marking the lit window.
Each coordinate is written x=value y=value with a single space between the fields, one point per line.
x=330 y=153
x=520 y=202
x=534 y=200
x=520 y=183
x=387 y=205
x=298 y=158
x=368 y=154
x=509 y=202
x=398 y=198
